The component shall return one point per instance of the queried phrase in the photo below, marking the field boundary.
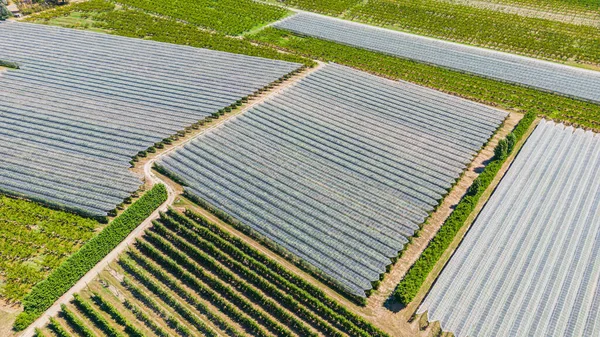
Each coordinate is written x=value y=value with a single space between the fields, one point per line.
x=447 y=255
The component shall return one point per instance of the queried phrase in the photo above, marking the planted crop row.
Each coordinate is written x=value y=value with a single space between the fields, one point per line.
x=224 y=287
x=45 y=293
x=136 y=23
x=145 y=319
x=165 y=295
x=77 y=324
x=116 y=315
x=172 y=322
x=58 y=329
x=93 y=315
x=171 y=284
x=214 y=243
x=388 y=179
x=491 y=92
x=551 y=77
x=332 y=7
x=412 y=282
x=207 y=261
x=484 y=27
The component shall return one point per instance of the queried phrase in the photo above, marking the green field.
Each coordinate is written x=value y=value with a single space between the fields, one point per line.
x=231 y=17
x=34 y=240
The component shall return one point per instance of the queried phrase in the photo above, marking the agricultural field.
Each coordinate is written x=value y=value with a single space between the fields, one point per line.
x=232 y=17
x=34 y=240
x=265 y=171
x=323 y=171
x=105 y=16
x=529 y=265
x=569 y=81
x=185 y=277
x=95 y=101
x=474 y=24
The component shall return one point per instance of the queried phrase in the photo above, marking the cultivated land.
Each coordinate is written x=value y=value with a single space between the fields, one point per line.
x=547 y=76
x=34 y=240
x=181 y=277
x=529 y=264
x=95 y=101
x=185 y=277
x=328 y=176
x=485 y=27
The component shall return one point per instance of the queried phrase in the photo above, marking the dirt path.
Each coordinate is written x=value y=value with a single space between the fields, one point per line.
x=145 y=168
x=377 y=300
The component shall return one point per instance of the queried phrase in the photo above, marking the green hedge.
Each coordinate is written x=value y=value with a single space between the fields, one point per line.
x=45 y=293
x=413 y=280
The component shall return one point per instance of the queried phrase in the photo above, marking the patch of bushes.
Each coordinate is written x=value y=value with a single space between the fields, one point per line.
x=45 y=293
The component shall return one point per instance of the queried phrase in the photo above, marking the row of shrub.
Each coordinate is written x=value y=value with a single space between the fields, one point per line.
x=142 y=317
x=117 y=316
x=172 y=322
x=45 y=293
x=176 y=287
x=178 y=263
x=415 y=277
x=277 y=248
x=93 y=315
x=269 y=275
x=170 y=300
x=187 y=278
x=248 y=275
x=76 y=324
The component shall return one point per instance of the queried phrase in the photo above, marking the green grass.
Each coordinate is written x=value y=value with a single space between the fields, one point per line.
x=34 y=240
x=503 y=95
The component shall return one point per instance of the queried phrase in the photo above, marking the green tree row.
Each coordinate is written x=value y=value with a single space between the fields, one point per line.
x=412 y=282
x=228 y=250
x=46 y=292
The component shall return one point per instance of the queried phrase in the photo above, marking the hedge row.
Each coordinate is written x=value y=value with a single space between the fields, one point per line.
x=311 y=295
x=45 y=293
x=415 y=277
